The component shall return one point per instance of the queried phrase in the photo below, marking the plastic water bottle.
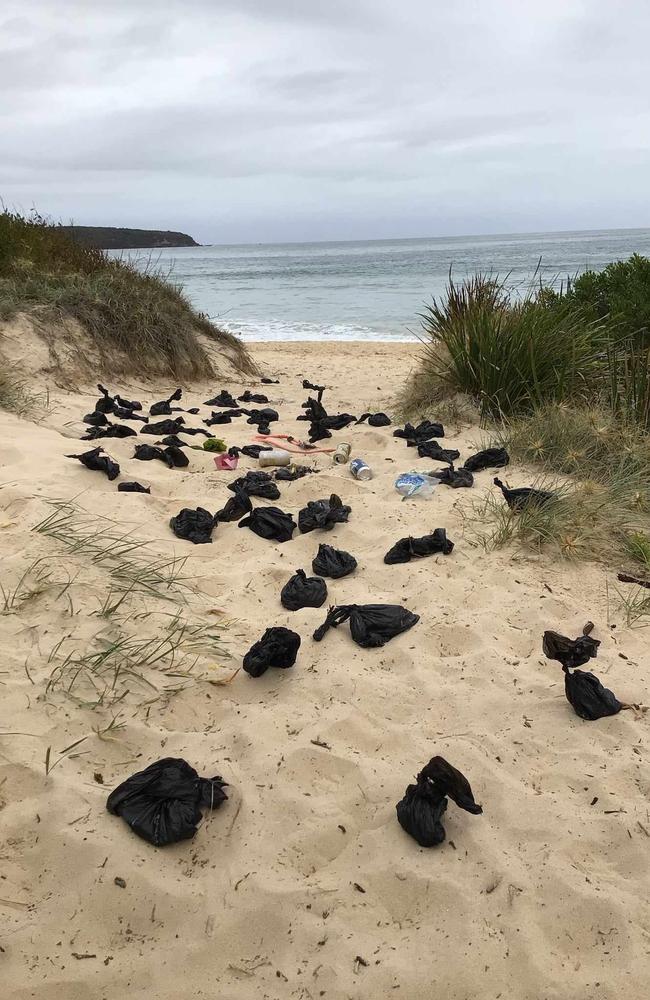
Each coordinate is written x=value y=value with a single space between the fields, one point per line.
x=415 y=484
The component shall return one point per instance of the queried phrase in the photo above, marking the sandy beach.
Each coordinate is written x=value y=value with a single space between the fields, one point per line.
x=303 y=885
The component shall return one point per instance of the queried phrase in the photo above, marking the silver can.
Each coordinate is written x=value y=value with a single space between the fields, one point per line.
x=276 y=456
x=360 y=470
x=342 y=453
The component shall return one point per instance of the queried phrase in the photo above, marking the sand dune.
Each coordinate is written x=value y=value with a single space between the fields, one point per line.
x=303 y=885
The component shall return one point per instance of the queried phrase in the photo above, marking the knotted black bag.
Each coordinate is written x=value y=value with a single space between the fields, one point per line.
x=332 y=562
x=411 y=548
x=96 y=462
x=371 y=625
x=302 y=591
x=525 y=497
x=193 y=525
x=323 y=514
x=270 y=523
x=489 y=458
x=424 y=804
x=133 y=487
x=278 y=647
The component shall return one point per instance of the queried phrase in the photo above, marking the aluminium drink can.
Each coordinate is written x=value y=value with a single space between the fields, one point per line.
x=342 y=453
x=360 y=470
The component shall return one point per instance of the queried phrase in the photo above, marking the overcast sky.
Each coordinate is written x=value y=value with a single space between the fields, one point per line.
x=264 y=120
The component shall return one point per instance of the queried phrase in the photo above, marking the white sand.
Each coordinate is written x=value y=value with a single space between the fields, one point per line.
x=544 y=896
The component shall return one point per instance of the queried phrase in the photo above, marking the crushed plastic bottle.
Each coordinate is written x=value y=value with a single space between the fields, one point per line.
x=415 y=484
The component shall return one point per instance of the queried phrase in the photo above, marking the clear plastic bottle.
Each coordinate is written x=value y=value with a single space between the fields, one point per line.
x=415 y=484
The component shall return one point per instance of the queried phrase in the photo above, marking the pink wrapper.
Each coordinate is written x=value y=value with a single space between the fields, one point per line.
x=226 y=461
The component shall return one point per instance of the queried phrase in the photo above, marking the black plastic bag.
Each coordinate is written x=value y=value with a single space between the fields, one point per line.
x=290 y=473
x=570 y=652
x=163 y=803
x=323 y=514
x=338 y=421
x=193 y=525
x=525 y=497
x=424 y=804
x=223 y=399
x=371 y=625
x=128 y=404
x=302 y=591
x=105 y=403
x=270 y=381
x=431 y=449
x=374 y=419
x=164 y=426
x=456 y=478
x=195 y=430
x=319 y=389
x=235 y=508
x=132 y=488
x=172 y=457
x=490 y=458
x=96 y=419
x=590 y=700
x=263 y=428
x=218 y=418
x=250 y=450
x=110 y=431
x=96 y=462
x=418 y=435
x=314 y=410
x=252 y=397
x=270 y=523
x=332 y=562
x=278 y=647
x=318 y=432
x=173 y=441
x=164 y=407
x=411 y=548
x=267 y=415
x=123 y=414
x=256 y=484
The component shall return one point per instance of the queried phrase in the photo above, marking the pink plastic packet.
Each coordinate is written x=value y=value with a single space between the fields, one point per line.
x=226 y=461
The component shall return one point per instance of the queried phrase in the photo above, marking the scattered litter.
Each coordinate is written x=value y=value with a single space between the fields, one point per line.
x=226 y=462
x=132 y=487
x=421 y=810
x=252 y=397
x=270 y=523
x=302 y=591
x=235 y=507
x=270 y=381
x=128 y=404
x=223 y=399
x=489 y=458
x=571 y=652
x=164 y=406
x=164 y=426
x=524 y=497
x=173 y=441
x=416 y=484
x=172 y=457
x=278 y=647
x=374 y=419
x=123 y=414
x=456 y=478
x=411 y=548
x=418 y=435
x=626 y=578
x=292 y=472
x=96 y=462
x=96 y=419
x=583 y=690
x=120 y=882
x=105 y=403
x=332 y=562
x=163 y=803
x=256 y=484
x=371 y=625
x=109 y=431
x=431 y=449
x=341 y=453
x=275 y=457
x=323 y=514
x=360 y=470
x=193 y=525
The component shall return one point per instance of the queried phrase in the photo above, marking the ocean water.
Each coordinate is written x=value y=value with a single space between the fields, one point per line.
x=369 y=290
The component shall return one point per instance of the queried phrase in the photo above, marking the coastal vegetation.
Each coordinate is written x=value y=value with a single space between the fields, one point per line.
x=136 y=321
x=561 y=378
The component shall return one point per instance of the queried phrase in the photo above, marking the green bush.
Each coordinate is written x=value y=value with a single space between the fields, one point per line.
x=620 y=293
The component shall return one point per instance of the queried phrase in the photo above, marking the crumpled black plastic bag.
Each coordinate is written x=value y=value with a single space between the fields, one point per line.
x=270 y=523
x=431 y=449
x=164 y=406
x=195 y=430
x=122 y=413
x=267 y=415
x=337 y=421
x=193 y=525
x=256 y=484
x=164 y=426
x=218 y=418
x=289 y=473
x=173 y=441
x=250 y=450
x=424 y=804
x=163 y=803
x=332 y=562
x=128 y=404
x=424 y=431
x=109 y=431
x=323 y=514
x=589 y=699
x=96 y=419
x=278 y=647
x=374 y=419
x=105 y=403
x=133 y=487
x=172 y=457
x=371 y=625
x=411 y=548
x=235 y=508
x=223 y=399
x=489 y=458
x=314 y=410
x=96 y=462
x=456 y=478
x=270 y=381
x=302 y=591
x=524 y=497
x=570 y=652
x=319 y=389
x=252 y=397
x=318 y=432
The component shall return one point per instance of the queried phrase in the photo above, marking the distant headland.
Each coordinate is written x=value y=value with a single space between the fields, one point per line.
x=112 y=238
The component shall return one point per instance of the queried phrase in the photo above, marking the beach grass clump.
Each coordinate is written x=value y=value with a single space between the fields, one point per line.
x=136 y=321
x=16 y=394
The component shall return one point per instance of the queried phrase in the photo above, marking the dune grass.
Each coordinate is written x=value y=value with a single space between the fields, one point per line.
x=135 y=321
